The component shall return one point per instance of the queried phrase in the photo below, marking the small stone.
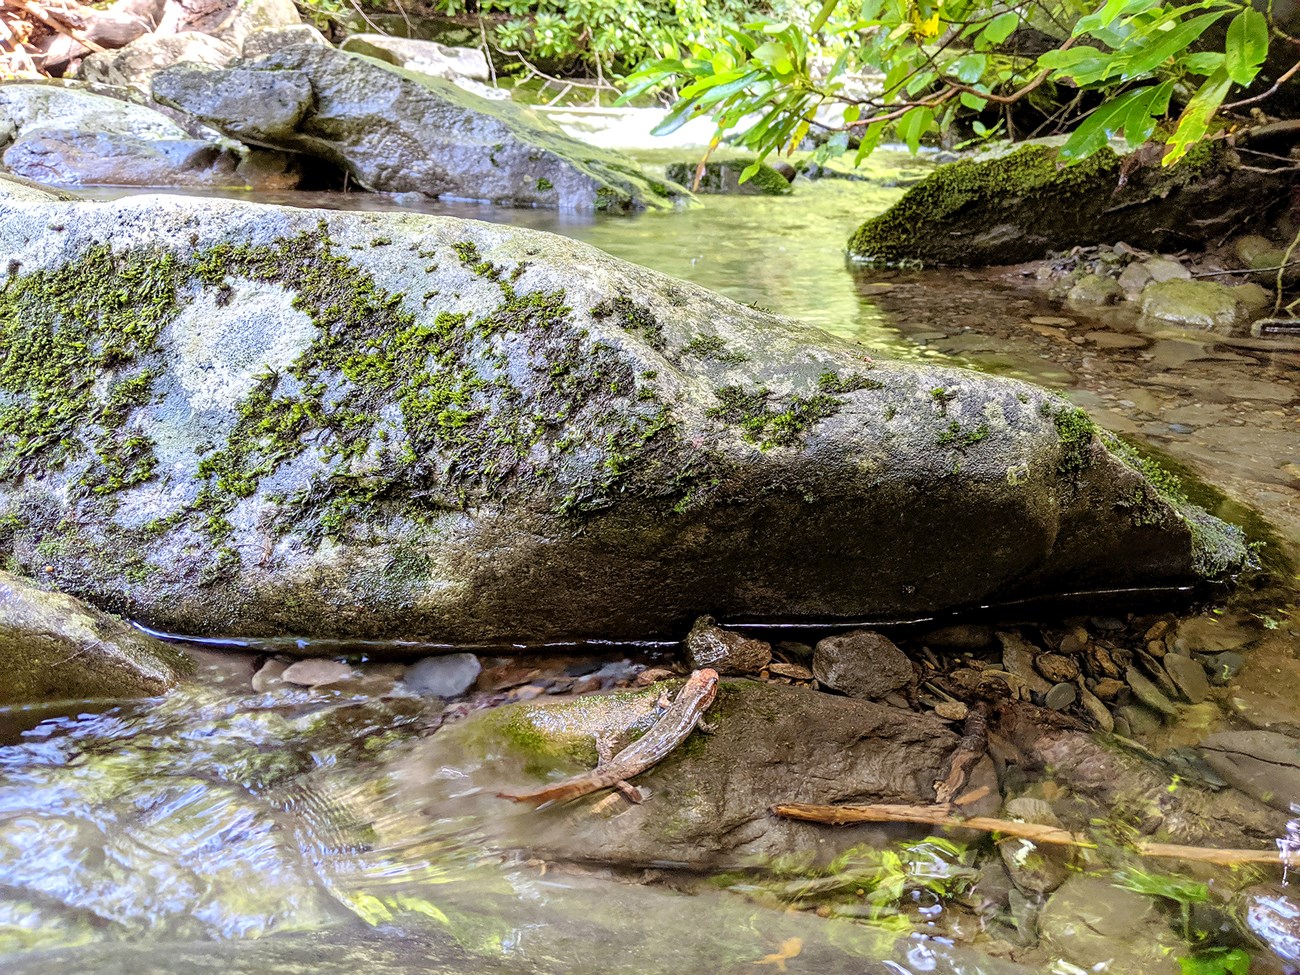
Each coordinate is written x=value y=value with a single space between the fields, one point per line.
x=1102 y=663
x=793 y=671
x=1034 y=869
x=316 y=672
x=1089 y=918
x=652 y=674
x=1054 y=320
x=861 y=663
x=1189 y=677
x=1056 y=668
x=1148 y=693
x=1254 y=297
x=446 y=675
x=1116 y=340
x=1096 y=710
x=1061 y=696
x=1108 y=688
x=1094 y=289
x=1223 y=667
x=1018 y=659
x=1156 y=648
x=1074 y=641
x=270 y=675
x=952 y=710
x=727 y=652
x=1164 y=269
x=1157 y=674
x=1157 y=631
x=1198 y=304
x=1133 y=279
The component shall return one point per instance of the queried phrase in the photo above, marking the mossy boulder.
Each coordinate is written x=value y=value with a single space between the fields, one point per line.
x=255 y=420
x=56 y=648
x=723 y=176
x=398 y=131
x=707 y=804
x=1198 y=304
x=1021 y=205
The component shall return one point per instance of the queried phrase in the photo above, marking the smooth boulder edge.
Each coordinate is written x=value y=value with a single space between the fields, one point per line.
x=252 y=420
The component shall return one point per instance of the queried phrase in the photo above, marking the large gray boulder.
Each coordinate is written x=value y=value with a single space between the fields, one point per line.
x=245 y=419
x=397 y=131
x=72 y=135
x=426 y=57
x=56 y=648
x=137 y=62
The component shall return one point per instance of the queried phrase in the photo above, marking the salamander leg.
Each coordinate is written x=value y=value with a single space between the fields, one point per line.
x=604 y=751
x=708 y=727
x=632 y=792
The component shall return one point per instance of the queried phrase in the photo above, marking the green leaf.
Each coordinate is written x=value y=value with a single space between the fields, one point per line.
x=1160 y=47
x=1195 y=120
x=1000 y=28
x=1097 y=128
x=682 y=113
x=1247 y=46
x=968 y=69
x=1202 y=62
x=913 y=125
x=1140 y=120
x=1223 y=961
x=973 y=102
x=1104 y=15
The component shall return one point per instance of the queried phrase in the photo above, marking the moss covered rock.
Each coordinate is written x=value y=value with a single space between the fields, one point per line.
x=723 y=176
x=1199 y=304
x=1017 y=207
x=398 y=131
x=56 y=648
x=245 y=419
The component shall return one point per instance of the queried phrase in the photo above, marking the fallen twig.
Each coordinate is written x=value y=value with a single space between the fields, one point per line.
x=1049 y=835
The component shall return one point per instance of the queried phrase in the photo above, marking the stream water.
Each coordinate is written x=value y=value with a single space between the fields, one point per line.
x=235 y=829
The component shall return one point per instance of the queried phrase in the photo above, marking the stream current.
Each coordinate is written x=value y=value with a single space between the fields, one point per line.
x=232 y=829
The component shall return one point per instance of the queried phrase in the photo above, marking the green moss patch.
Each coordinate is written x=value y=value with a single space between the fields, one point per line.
x=73 y=341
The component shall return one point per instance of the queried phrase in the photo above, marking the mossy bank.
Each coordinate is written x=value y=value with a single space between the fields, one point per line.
x=1021 y=204
x=220 y=417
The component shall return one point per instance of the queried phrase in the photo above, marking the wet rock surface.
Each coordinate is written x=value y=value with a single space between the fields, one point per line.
x=861 y=664
x=136 y=63
x=393 y=494
x=707 y=803
x=1021 y=205
x=56 y=648
x=403 y=132
x=727 y=652
x=1263 y=764
x=450 y=675
x=1089 y=918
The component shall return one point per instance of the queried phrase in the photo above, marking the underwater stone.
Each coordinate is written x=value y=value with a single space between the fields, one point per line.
x=862 y=664
x=450 y=675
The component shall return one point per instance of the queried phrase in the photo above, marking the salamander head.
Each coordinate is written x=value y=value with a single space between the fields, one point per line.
x=704 y=684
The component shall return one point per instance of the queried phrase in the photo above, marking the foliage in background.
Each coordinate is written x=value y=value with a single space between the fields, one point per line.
x=863 y=68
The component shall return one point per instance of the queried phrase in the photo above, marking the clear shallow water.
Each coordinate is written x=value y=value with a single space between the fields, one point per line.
x=222 y=831
x=216 y=831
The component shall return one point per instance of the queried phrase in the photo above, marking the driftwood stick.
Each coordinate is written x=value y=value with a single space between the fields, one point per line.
x=1049 y=835
x=40 y=14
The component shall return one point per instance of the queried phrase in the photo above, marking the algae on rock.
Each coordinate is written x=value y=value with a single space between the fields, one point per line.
x=1021 y=205
x=260 y=420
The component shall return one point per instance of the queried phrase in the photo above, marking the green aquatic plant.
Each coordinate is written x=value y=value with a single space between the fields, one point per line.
x=864 y=882
x=1166 y=886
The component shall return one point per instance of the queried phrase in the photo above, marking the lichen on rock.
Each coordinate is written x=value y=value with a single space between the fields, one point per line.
x=257 y=420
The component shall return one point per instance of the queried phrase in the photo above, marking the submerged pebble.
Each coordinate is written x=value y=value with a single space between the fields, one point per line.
x=316 y=673
x=449 y=675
